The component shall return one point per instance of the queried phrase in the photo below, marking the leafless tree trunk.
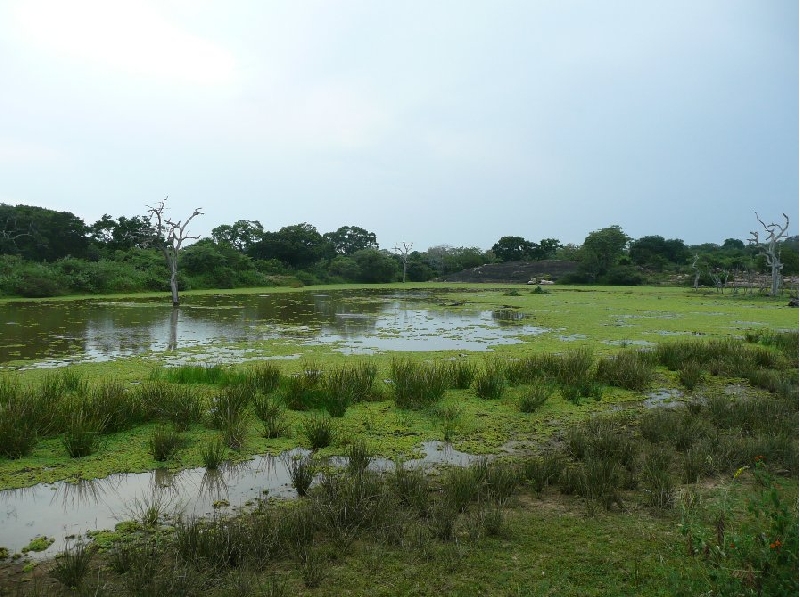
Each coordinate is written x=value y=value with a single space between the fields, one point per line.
x=770 y=249
x=696 y=269
x=403 y=253
x=168 y=237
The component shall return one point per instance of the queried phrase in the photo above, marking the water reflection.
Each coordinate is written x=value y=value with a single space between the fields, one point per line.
x=55 y=333
x=61 y=510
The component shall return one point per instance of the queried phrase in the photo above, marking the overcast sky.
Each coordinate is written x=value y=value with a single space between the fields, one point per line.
x=425 y=121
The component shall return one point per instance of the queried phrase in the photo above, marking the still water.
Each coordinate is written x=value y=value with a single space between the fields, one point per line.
x=232 y=328
x=63 y=509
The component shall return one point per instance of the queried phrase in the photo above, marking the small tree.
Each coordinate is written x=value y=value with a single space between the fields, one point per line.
x=168 y=238
x=769 y=247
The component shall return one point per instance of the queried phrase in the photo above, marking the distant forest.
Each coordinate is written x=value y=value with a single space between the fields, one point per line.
x=47 y=253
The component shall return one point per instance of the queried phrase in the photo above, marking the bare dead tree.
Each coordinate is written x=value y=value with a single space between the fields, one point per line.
x=769 y=248
x=168 y=237
x=403 y=254
x=696 y=269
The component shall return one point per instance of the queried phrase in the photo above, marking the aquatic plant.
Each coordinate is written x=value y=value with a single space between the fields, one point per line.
x=301 y=472
x=119 y=408
x=417 y=385
x=491 y=382
x=534 y=397
x=193 y=374
x=449 y=416
x=164 y=442
x=72 y=565
x=628 y=369
x=213 y=453
x=82 y=433
x=318 y=430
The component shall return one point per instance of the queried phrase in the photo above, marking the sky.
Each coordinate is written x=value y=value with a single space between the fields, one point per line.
x=427 y=122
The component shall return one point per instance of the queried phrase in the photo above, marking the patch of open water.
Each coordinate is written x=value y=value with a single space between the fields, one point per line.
x=232 y=328
x=62 y=509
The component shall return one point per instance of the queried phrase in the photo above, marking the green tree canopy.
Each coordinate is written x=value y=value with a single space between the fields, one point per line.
x=241 y=235
x=297 y=246
x=40 y=234
x=603 y=249
x=350 y=239
x=513 y=248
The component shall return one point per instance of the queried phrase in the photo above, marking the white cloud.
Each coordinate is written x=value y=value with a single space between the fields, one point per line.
x=129 y=37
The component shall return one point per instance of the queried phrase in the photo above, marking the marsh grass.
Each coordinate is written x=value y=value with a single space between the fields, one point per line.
x=272 y=413
x=358 y=456
x=192 y=374
x=318 y=430
x=72 y=565
x=264 y=378
x=411 y=486
x=628 y=369
x=417 y=385
x=18 y=420
x=449 y=416
x=490 y=383
x=302 y=391
x=82 y=434
x=534 y=397
x=657 y=479
x=345 y=385
x=213 y=453
x=120 y=409
x=542 y=471
x=301 y=472
x=529 y=370
x=691 y=374
x=164 y=442
x=460 y=374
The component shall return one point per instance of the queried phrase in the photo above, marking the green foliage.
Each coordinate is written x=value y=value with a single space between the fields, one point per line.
x=272 y=413
x=417 y=385
x=318 y=430
x=72 y=565
x=82 y=433
x=301 y=472
x=213 y=453
x=629 y=369
x=491 y=382
x=535 y=396
x=164 y=442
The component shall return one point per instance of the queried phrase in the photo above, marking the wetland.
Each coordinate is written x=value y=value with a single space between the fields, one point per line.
x=505 y=374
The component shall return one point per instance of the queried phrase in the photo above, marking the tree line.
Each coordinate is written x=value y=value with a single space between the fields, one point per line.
x=46 y=253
